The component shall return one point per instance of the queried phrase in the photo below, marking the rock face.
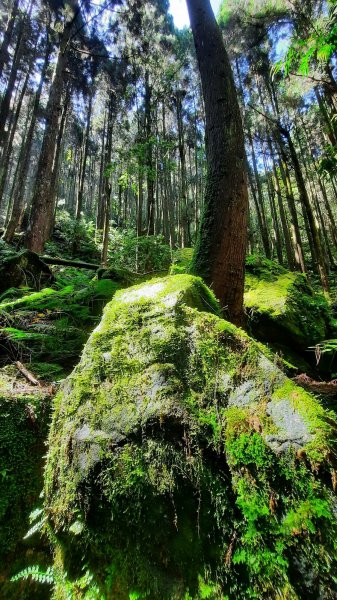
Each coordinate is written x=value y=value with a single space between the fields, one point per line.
x=183 y=464
x=282 y=307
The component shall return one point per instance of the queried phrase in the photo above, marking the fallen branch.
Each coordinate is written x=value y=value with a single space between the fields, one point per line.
x=327 y=388
x=27 y=374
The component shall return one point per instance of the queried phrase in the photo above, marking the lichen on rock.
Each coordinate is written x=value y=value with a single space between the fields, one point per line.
x=183 y=464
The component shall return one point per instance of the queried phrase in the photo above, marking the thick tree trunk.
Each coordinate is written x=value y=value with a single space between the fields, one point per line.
x=56 y=166
x=42 y=202
x=221 y=246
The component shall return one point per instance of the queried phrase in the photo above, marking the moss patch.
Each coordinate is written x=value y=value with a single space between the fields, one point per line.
x=181 y=261
x=24 y=416
x=52 y=325
x=282 y=308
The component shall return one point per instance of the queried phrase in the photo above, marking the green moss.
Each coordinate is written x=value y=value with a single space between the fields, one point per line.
x=181 y=261
x=24 y=415
x=169 y=473
x=53 y=325
x=283 y=309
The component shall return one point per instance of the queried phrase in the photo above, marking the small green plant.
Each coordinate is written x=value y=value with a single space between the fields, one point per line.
x=36 y=574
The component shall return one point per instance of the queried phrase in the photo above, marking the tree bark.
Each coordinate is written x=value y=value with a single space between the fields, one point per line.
x=19 y=186
x=107 y=183
x=221 y=246
x=4 y=55
x=42 y=202
x=149 y=156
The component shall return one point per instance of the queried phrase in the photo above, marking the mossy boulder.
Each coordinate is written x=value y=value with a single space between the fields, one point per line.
x=282 y=308
x=183 y=464
x=24 y=420
x=22 y=268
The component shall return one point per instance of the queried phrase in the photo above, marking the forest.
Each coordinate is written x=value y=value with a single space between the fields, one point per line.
x=168 y=299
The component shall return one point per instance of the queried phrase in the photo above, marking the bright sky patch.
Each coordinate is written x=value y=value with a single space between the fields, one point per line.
x=178 y=10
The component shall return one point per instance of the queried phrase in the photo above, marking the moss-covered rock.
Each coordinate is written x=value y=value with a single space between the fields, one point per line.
x=24 y=419
x=183 y=463
x=282 y=308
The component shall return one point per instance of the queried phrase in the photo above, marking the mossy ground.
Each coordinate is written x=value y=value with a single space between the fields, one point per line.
x=51 y=326
x=24 y=418
x=45 y=330
x=170 y=473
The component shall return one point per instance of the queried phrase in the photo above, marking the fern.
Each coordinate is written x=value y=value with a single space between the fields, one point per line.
x=36 y=574
x=36 y=527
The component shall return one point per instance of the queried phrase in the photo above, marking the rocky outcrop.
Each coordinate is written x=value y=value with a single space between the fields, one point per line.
x=183 y=463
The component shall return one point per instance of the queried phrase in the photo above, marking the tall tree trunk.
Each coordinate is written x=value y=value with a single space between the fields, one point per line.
x=56 y=166
x=4 y=55
x=221 y=246
x=20 y=181
x=149 y=156
x=100 y=200
x=183 y=177
x=259 y=202
x=294 y=224
x=310 y=214
x=5 y=159
x=42 y=202
x=107 y=183
x=6 y=100
x=79 y=203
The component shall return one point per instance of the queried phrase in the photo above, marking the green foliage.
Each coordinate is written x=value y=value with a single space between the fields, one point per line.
x=37 y=574
x=327 y=166
x=24 y=420
x=138 y=254
x=282 y=307
x=66 y=229
x=315 y=50
x=52 y=325
x=181 y=261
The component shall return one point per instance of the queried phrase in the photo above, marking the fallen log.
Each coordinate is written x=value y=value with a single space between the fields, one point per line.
x=50 y=260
